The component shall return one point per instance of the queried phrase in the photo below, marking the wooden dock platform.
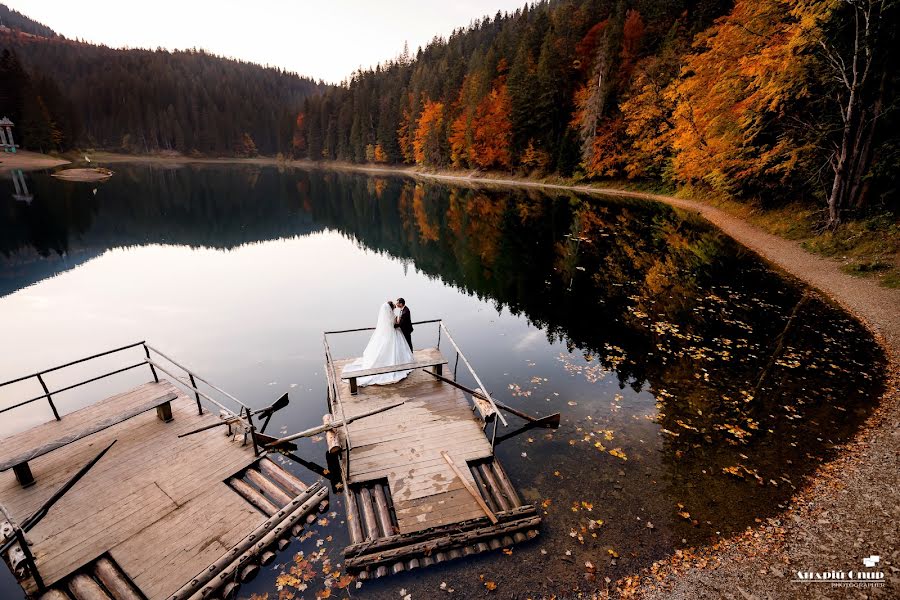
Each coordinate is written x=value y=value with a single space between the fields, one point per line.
x=158 y=516
x=420 y=478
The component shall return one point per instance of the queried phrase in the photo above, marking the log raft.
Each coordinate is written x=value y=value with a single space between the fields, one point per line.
x=151 y=518
x=421 y=483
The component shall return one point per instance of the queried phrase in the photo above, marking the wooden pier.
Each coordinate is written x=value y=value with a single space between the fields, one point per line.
x=164 y=512
x=421 y=483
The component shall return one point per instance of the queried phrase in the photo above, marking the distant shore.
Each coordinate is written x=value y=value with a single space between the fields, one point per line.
x=29 y=161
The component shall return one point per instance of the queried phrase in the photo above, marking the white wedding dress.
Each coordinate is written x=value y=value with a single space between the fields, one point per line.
x=386 y=347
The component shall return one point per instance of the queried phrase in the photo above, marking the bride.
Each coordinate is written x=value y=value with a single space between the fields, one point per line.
x=386 y=347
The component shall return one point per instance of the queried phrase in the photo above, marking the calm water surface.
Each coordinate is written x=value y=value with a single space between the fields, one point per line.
x=699 y=389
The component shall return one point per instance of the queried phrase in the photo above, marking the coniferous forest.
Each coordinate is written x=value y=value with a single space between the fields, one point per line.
x=63 y=94
x=773 y=100
x=769 y=99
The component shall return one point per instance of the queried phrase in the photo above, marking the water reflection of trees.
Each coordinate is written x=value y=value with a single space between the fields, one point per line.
x=744 y=391
x=656 y=297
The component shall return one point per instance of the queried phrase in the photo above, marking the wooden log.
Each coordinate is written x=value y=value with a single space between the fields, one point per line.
x=267 y=487
x=230 y=572
x=274 y=527
x=230 y=591
x=474 y=493
x=506 y=541
x=115 y=581
x=83 y=587
x=323 y=506
x=381 y=572
x=438 y=547
x=398 y=567
x=283 y=543
x=297 y=530
x=519 y=537
x=353 y=524
x=413 y=564
x=406 y=539
x=310 y=518
x=362 y=575
x=481 y=484
x=248 y=572
x=54 y=594
x=267 y=558
x=280 y=476
x=482 y=547
x=505 y=483
x=454 y=553
x=335 y=424
x=427 y=561
x=368 y=511
x=499 y=496
x=332 y=441
x=384 y=515
x=253 y=497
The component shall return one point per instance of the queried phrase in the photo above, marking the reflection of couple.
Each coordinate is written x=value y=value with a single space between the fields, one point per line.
x=390 y=345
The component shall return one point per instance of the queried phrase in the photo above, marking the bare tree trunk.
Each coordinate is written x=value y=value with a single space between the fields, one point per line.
x=853 y=156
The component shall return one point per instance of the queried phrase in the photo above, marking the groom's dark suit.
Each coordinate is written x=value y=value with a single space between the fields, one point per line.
x=405 y=325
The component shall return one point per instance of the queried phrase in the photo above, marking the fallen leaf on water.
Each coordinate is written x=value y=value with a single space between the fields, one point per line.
x=546 y=503
x=613 y=553
x=490 y=585
x=617 y=452
x=587 y=505
x=507 y=551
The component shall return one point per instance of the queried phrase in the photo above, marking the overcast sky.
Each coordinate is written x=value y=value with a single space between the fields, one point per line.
x=325 y=39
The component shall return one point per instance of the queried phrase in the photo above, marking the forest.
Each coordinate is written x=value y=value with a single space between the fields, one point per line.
x=64 y=94
x=776 y=101
x=762 y=99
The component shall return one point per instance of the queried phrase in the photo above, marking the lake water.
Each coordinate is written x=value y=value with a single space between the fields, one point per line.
x=699 y=388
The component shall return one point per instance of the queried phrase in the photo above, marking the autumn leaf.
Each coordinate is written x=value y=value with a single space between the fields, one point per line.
x=490 y=585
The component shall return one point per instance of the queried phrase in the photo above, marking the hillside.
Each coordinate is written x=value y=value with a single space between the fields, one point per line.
x=63 y=93
x=14 y=20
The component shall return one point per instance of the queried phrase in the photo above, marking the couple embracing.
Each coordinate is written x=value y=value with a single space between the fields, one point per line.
x=390 y=345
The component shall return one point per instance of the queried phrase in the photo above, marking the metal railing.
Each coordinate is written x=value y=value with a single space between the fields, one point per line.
x=189 y=381
x=48 y=395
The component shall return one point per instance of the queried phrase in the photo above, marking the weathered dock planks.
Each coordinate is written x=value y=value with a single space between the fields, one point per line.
x=422 y=482
x=157 y=509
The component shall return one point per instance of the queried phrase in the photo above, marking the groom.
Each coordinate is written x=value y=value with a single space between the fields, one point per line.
x=404 y=321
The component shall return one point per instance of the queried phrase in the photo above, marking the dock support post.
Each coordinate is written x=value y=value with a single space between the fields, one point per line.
x=152 y=368
x=164 y=412
x=353 y=388
x=23 y=474
x=196 y=394
x=49 y=397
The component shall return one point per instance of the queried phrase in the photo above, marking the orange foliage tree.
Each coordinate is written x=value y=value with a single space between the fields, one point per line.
x=429 y=128
x=493 y=128
x=730 y=106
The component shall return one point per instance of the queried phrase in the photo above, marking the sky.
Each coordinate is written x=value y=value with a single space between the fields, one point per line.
x=322 y=39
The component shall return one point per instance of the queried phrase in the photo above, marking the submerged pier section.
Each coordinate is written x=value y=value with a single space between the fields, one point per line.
x=125 y=499
x=421 y=482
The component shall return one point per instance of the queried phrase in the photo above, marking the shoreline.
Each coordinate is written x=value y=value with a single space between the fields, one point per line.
x=849 y=509
x=29 y=161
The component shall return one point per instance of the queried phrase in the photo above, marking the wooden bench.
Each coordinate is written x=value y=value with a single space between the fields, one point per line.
x=429 y=358
x=47 y=437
